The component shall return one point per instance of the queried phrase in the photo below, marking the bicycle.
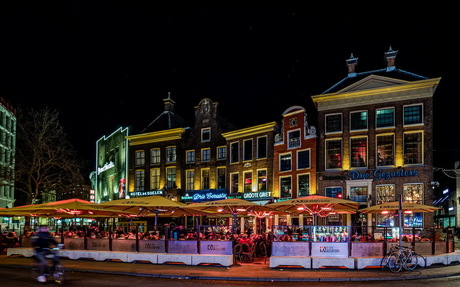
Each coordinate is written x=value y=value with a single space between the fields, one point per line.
x=405 y=258
x=53 y=267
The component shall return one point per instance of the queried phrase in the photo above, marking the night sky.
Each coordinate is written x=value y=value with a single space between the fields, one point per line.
x=106 y=64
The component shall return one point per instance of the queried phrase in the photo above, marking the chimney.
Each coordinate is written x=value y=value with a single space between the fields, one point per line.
x=390 y=57
x=351 y=63
x=169 y=103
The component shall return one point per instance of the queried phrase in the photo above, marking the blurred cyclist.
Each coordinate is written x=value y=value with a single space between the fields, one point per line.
x=42 y=242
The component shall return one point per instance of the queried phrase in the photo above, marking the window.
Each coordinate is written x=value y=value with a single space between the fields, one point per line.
x=303 y=185
x=190 y=156
x=205 y=134
x=139 y=180
x=333 y=123
x=286 y=186
x=205 y=154
x=262 y=147
x=413 y=193
x=205 y=178
x=334 y=192
x=190 y=181
x=359 y=193
x=358 y=120
x=385 y=193
x=413 y=115
x=140 y=157
x=333 y=153
x=262 y=180
x=358 y=152
x=171 y=177
x=221 y=171
x=247 y=151
x=171 y=154
x=293 y=122
x=155 y=179
x=384 y=118
x=303 y=159
x=247 y=181
x=221 y=152
x=234 y=180
x=385 y=150
x=285 y=162
x=234 y=152
x=294 y=139
x=155 y=156
x=413 y=152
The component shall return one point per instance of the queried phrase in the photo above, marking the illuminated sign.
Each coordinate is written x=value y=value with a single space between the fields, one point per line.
x=205 y=195
x=146 y=193
x=107 y=165
x=257 y=195
x=381 y=174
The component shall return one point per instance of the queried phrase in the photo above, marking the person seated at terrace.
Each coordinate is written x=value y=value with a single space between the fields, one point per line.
x=245 y=240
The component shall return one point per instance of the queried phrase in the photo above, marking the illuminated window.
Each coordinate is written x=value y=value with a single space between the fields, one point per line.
x=234 y=180
x=171 y=177
x=247 y=181
x=139 y=180
x=171 y=154
x=285 y=162
x=303 y=184
x=334 y=192
x=155 y=179
x=190 y=156
x=358 y=152
x=413 y=193
x=413 y=115
x=385 y=150
x=221 y=152
x=205 y=134
x=385 y=118
x=358 y=120
x=205 y=154
x=190 y=180
x=413 y=152
x=155 y=156
x=359 y=193
x=262 y=147
x=221 y=171
x=286 y=186
x=294 y=139
x=303 y=159
x=234 y=152
x=205 y=178
x=140 y=157
x=385 y=193
x=333 y=123
x=262 y=180
x=247 y=150
x=333 y=153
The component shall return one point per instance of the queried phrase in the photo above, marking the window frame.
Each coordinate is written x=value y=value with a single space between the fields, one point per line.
x=171 y=150
x=326 y=124
x=340 y=160
x=308 y=151
x=295 y=142
x=248 y=144
x=421 y=120
x=358 y=164
x=205 y=182
x=189 y=180
x=259 y=177
x=366 y=120
x=235 y=158
x=234 y=184
x=420 y=152
x=248 y=187
x=139 y=180
x=155 y=156
x=377 y=118
x=205 y=131
x=299 y=194
x=221 y=150
x=204 y=152
x=155 y=177
x=280 y=158
x=383 y=160
x=262 y=152
x=190 y=156
x=139 y=158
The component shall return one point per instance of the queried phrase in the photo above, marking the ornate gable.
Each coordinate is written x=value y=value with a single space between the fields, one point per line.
x=372 y=82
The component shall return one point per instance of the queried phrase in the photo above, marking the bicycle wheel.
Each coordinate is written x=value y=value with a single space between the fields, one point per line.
x=384 y=262
x=394 y=263
x=421 y=261
x=410 y=261
x=58 y=275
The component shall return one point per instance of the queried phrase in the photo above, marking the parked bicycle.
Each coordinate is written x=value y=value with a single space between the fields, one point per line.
x=405 y=258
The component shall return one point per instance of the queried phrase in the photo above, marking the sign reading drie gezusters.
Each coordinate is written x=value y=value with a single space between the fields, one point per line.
x=379 y=174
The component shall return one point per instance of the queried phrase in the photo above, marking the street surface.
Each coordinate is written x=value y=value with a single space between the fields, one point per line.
x=21 y=277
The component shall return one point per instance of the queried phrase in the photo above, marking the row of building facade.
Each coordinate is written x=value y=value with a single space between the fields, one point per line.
x=372 y=144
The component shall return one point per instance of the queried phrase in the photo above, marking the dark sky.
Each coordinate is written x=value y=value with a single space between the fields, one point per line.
x=106 y=64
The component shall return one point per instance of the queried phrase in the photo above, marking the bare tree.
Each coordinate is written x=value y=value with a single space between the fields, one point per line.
x=45 y=160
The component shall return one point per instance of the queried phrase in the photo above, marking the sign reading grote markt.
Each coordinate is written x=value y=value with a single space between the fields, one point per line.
x=111 y=166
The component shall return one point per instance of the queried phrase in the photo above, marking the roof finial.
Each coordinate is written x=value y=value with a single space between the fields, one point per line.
x=390 y=57
x=351 y=63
